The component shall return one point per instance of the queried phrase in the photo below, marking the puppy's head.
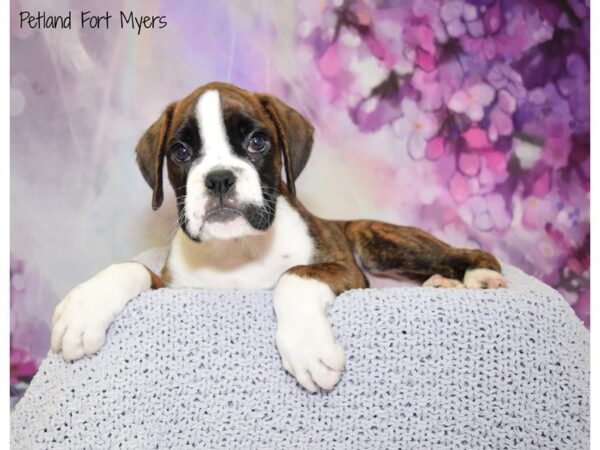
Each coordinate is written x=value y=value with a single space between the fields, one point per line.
x=225 y=149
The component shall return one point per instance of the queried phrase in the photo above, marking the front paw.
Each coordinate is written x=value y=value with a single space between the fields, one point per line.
x=79 y=323
x=310 y=352
x=81 y=319
x=484 y=279
x=438 y=281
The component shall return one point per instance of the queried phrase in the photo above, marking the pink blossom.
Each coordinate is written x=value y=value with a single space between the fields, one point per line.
x=469 y=163
x=537 y=212
x=429 y=12
x=425 y=60
x=430 y=88
x=459 y=188
x=476 y=138
x=582 y=306
x=21 y=365
x=502 y=76
x=422 y=38
x=542 y=185
x=501 y=116
x=377 y=47
x=493 y=18
x=492 y=172
x=417 y=127
x=496 y=161
x=489 y=212
x=435 y=148
x=329 y=63
x=451 y=13
x=556 y=151
x=472 y=101
x=461 y=18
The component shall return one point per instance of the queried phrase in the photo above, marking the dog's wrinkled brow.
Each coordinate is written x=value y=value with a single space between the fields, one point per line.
x=248 y=120
x=187 y=132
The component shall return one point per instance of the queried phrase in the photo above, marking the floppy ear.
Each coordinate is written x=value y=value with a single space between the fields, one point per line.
x=295 y=135
x=150 y=153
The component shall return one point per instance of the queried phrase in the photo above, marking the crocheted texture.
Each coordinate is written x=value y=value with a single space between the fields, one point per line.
x=426 y=368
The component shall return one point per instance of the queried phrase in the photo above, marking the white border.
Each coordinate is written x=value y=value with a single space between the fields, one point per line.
x=5 y=219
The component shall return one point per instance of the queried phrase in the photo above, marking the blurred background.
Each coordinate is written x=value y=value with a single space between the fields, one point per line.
x=468 y=118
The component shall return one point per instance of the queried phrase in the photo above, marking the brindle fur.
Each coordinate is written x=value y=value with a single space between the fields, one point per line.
x=392 y=250
x=343 y=250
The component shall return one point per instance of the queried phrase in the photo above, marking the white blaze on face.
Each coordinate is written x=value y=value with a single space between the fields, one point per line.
x=217 y=154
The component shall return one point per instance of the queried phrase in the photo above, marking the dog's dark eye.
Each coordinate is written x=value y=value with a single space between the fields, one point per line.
x=257 y=144
x=181 y=153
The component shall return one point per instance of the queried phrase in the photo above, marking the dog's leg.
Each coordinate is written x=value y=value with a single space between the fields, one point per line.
x=81 y=319
x=305 y=340
x=392 y=250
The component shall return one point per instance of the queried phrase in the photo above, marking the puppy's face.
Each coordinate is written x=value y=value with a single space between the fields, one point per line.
x=225 y=148
x=224 y=167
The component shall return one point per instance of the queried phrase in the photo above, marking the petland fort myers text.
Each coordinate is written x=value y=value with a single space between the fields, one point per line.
x=91 y=20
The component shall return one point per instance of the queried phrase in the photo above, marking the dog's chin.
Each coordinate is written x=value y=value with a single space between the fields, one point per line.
x=226 y=223
x=229 y=229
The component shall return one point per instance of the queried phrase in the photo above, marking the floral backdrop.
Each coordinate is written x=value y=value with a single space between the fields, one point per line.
x=468 y=118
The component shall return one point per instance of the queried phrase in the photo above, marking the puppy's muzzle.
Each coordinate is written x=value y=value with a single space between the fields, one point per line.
x=219 y=182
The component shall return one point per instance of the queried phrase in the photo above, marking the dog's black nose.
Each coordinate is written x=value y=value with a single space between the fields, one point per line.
x=219 y=181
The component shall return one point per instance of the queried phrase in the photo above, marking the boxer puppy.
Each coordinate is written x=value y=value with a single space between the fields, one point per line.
x=242 y=227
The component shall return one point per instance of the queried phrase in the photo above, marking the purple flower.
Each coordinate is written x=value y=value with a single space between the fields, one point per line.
x=501 y=116
x=416 y=127
x=451 y=13
x=22 y=366
x=430 y=89
x=502 y=76
x=542 y=110
x=489 y=212
x=472 y=101
x=574 y=86
x=545 y=62
x=382 y=106
x=460 y=18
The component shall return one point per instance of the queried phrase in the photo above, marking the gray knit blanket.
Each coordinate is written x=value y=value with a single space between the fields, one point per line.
x=426 y=369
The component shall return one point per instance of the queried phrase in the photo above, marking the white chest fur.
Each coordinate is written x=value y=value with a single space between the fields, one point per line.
x=252 y=262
